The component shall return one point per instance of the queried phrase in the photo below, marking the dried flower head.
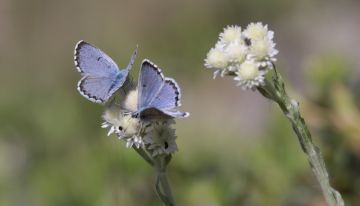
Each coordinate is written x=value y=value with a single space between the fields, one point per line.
x=134 y=141
x=160 y=138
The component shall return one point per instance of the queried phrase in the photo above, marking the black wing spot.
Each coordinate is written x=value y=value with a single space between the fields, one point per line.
x=144 y=85
x=98 y=59
x=121 y=128
x=166 y=145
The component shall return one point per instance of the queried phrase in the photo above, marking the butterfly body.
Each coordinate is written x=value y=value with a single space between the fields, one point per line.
x=101 y=77
x=119 y=79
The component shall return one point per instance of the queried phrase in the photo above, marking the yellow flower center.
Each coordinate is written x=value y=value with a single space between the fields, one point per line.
x=256 y=31
x=236 y=52
x=248 y=71
x=216 y=59
x=260 y=48
x=231 y=34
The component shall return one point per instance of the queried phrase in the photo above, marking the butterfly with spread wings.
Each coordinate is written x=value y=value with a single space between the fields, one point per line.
x=158 y=96
x=101 y=77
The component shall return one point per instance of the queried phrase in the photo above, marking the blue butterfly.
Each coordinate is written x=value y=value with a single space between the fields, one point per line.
x=101 y=77
x=158 y=96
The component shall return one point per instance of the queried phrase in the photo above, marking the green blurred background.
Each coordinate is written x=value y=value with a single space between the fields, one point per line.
x=235 y=148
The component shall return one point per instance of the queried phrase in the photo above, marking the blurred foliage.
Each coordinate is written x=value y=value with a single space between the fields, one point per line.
x=336 y=117
x=53 y=151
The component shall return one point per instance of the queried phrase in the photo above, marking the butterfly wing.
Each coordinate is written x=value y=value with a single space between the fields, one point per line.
x=176 y=114
x=155 y=113
x=90 y=60
x=150 y=82
x=158 y=96
x=168 y=99
x=168 y=96
x=165 y=102
x=122 y=76
x=101 y=76
x=96 y=89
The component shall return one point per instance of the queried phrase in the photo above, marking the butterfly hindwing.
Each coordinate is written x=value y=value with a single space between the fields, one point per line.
x=176 y=114
x=155 y=113
x=168 y=96
x=96 y=89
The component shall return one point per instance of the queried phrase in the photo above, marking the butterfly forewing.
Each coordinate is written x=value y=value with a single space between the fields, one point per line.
x=92 y=61
x=150 y=83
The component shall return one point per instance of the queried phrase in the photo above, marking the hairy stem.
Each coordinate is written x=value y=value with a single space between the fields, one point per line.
x=162 y=185
x=275 y=90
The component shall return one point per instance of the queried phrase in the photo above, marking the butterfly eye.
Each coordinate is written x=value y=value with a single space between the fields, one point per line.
x=166 y=145
x=121 y=128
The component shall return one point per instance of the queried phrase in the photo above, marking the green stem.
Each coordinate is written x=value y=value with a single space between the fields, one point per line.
x=144 y=155
x=276 y=91
x=162 y=185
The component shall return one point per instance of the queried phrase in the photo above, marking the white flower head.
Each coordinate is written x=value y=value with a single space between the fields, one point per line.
x=231 y=34
x=112 y=118
x=263 y=50
x=249 y=75
x=131 y=101
x=122 y=124
x=216 y=59
x=129 y=126
x=256 y=31
x=253 y=46
x=236 y=52
x=160 y=138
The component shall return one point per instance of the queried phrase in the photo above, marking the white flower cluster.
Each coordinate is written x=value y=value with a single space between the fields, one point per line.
x=248 y=54
x=156 y=136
